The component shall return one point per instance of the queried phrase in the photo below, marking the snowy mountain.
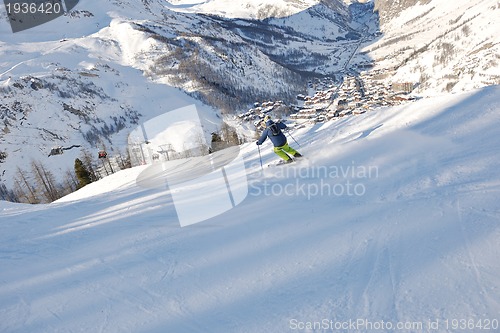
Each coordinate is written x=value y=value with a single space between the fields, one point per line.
x=392 y=224
x=91 y=77
x=440 y=46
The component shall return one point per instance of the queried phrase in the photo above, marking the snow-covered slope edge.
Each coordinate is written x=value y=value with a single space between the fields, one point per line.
x=419 y=245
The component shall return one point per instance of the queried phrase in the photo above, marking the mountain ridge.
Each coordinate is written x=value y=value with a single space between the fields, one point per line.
x=92 y=75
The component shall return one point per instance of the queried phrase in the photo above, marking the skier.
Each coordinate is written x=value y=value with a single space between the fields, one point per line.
x=274 y=132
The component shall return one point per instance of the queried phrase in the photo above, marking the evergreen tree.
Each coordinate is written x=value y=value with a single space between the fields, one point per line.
x=82 y=174
x=88 y=163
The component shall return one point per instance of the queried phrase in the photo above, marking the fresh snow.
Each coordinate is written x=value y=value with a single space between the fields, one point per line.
x=405 y=231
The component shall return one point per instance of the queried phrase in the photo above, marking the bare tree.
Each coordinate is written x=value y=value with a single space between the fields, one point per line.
x=23 y=189
x=201 y=145
x=70 y=182
x=124 y=160
x=45 y=180
x=229 y=135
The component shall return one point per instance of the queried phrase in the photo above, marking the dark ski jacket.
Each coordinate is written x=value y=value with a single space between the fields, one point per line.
x=277 y=138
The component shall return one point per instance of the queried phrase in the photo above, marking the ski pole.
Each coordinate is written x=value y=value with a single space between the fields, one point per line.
x=260 y=158
x=293 y=138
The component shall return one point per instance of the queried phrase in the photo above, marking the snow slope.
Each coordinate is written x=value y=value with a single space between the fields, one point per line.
x=414 y=239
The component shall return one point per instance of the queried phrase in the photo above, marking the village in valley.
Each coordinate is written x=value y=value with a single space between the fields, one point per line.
x=331 y=98
x=328 y=98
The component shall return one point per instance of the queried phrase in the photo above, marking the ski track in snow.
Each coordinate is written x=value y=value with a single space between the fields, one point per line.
x=421 y=244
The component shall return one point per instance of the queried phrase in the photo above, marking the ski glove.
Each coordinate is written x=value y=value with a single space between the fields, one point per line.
x=257 y=143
